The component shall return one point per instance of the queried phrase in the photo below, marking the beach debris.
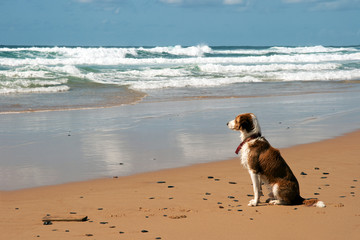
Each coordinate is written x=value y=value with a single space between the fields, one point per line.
x=210 y=177
x=303 y=173
x=104 y=222
x=121 y=163
x=49 y=219
x=72 y=212
x=208 y=193
x=89 y=234
x=217 y=179
x=17 y=208
x=144 y=231
x=316 y=193
x=171 y=186
x=69 y=133
x=178 y=217
x=121 y=232
x=326 y=173
x=232 y=182
x=323 y=177
x=161 y=182
x=67 y=230
x=352 y=186
x=100 y=209
x=316 y=168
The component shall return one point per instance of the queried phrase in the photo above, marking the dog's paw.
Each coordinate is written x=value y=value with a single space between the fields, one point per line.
x=252 y=203
x=269 y=200
x=275 y=202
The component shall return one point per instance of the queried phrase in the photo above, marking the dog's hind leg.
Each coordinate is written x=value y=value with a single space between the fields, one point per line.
x=277 y=200
x=256 y=187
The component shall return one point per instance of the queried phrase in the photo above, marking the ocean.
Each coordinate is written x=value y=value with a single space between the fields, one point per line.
x=139 y=109
x=57 y=78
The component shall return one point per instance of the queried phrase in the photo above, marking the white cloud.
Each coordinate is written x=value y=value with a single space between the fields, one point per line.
x=233 y=2
x=171 y=1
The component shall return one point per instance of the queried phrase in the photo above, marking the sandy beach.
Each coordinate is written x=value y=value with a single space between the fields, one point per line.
x=203 y=201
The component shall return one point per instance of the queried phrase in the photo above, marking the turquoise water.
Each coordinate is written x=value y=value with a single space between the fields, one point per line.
x=48 y=78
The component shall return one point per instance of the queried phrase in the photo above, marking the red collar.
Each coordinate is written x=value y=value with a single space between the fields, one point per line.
x=245 y=141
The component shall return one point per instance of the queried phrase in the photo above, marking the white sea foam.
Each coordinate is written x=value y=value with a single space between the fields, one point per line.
x=286 y=50
x=315 y=75
x=189 y=82
x=218 y=68
x=34 y=90
x=43 y=69
x=195 y=51
x=118 y=56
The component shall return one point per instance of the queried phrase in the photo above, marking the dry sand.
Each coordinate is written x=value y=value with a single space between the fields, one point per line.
x=204 y=201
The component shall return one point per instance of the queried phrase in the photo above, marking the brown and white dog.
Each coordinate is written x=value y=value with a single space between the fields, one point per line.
x=265 y=164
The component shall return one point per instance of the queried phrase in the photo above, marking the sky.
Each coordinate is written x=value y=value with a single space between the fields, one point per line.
x=180 y=22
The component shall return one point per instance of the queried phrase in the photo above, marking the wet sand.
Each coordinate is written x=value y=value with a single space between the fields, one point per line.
x=48 y=148
x=203 y=201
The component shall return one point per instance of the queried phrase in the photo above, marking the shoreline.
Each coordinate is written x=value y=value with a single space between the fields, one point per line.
x=202 y=201
x=144 y=99
x=47 y=148
x=156 y=96
x=174 y=169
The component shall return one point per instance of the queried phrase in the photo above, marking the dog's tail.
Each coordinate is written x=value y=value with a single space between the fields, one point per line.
x=313 y=202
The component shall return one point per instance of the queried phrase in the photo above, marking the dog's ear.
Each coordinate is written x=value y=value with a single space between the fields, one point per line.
x=245 y=122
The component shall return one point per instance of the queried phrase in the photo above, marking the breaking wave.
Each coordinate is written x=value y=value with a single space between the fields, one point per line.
x=48 y=69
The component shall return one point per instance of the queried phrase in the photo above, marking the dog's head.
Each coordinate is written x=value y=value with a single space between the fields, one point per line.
x=246 y=123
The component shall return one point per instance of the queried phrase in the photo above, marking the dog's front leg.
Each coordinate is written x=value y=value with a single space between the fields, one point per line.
x=256 y=186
